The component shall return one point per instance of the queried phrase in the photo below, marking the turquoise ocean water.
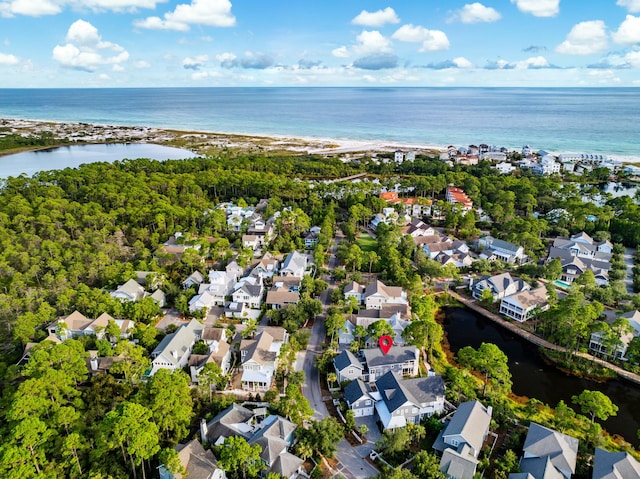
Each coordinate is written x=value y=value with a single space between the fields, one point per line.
x=589 y=120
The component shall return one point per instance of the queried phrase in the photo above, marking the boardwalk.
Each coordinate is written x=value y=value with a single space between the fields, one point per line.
x=538 y=341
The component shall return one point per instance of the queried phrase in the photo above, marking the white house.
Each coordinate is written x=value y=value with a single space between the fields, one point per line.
x=174 y=350
x=500 y=286
x=520 y=306
x=259 y=358
x=598 y=341
x=493 y=248
x=129 y=291
x=377 y=294
x=295 y=264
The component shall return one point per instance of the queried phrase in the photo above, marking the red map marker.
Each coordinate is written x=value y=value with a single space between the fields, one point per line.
x=385 y=342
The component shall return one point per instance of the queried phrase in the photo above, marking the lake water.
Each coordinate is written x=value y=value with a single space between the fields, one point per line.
x=62 y=157
x=533 y=378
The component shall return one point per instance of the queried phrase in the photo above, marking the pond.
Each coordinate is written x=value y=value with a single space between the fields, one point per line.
x=533 y=378
x=62 y=157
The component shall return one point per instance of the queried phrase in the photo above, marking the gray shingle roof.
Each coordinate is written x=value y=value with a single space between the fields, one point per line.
x=395 y=355
x=356 y=390
x=396 y=391
x=345 y=359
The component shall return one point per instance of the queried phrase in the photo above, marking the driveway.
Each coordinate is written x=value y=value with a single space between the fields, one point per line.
x=627 y=257
x=354 y=466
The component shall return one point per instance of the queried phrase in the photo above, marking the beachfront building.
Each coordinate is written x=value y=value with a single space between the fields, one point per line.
x=523 y=305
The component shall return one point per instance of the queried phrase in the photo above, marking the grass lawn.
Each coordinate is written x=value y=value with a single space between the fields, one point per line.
x=367 y=242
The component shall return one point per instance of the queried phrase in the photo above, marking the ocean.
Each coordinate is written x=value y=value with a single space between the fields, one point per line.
x=578 y=120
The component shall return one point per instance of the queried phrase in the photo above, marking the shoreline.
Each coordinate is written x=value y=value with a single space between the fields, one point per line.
x=104 y=133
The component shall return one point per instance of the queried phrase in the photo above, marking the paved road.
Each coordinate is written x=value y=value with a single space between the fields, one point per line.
x=352 y=461
x=627 y=257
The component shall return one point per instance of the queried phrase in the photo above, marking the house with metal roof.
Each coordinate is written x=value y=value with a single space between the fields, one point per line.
x=359 y=399
x=403 y=360
x=348 y=367
x=497 y=249
x=462 y=438
x=405 y=401
x=500 y=286
x=174 y=350
x=614 y=465
x=547 y=454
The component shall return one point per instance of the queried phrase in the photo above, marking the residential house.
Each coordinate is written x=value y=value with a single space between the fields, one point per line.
x=311 y=238
x=266 y=267
x=197 y=463
x=348 y=367
x=259 y=358
x=264 y=231
x=377 y=294
x=129 y=291
x=403 y=360
x=574 y=266
x=275 y=436
x=500 y=286
x=159 y=297
x=458 y=196
x=546 y=166
x=354 y=290
x=77 y=324
x=614 y=465
x=285 y=291
x=405 y=401
x=391 y=313
x=295 y=264
x=418 y=228
x=219 y=353
x=547 y=454
x=583 y=246
x=358 y=397
x=415 y=207
x=598 y=340
x=398 y=156
x=461 y=440
x=174 y=350
x=251 y=241
x=503 y=167
x=100 y=365
x=215 y=292
x=249 y=291
x=521 y=306
x=194 y=279
x=497 y=249
x=174 y=247
x=459 y=260
x=236 y=420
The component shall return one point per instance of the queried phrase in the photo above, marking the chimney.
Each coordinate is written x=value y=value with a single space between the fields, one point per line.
x=204 y=431
x=94 y=364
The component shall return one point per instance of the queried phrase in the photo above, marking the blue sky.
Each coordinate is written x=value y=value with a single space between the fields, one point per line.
x=138 y=43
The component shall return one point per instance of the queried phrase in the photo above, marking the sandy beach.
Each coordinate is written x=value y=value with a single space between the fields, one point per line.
x=202 y=142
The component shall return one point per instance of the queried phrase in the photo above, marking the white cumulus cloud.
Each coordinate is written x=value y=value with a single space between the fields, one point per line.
x=32 y=8
x=213 y=13
x=632 y=5
x=628 y=32
x=141 y=64
x=377 y=18
x=462 y=62
x=341 y=52
x=8 y=59
x=85 y=49
x=225 y=57
x=432 y=40
x=372 y=41
x=585 y=38
x=533 y=62
x=539 y=8
x=476 y=13
x=633 y=59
